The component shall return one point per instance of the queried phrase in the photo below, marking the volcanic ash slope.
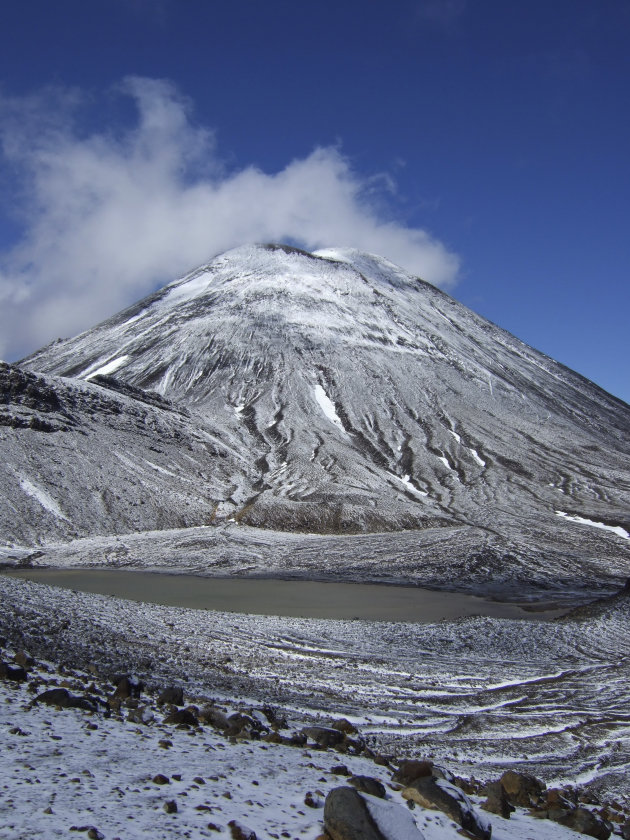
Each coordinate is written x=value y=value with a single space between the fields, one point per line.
x=330 y=393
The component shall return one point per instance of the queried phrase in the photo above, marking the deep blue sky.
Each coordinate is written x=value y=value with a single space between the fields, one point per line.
x=505 y=126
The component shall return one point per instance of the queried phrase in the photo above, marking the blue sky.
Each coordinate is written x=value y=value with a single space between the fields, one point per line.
x=480 y=143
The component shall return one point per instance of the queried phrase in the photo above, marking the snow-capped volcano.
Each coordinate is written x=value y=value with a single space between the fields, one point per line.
x=344 y=394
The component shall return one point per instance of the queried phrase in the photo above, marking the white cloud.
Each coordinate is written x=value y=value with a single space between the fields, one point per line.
x=106 y=217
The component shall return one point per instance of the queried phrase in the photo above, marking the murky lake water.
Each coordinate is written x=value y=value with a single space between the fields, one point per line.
x=298 y=598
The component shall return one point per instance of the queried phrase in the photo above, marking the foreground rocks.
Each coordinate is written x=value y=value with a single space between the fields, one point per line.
x=349 y=815
x=363 y=808
x=441 y=795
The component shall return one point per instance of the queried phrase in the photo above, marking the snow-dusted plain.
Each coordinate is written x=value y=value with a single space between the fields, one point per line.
x=480 y=695
x=70 y=770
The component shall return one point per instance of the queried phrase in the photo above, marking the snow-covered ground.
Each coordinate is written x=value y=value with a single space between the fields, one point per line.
x=66 y=770
x=479 y=695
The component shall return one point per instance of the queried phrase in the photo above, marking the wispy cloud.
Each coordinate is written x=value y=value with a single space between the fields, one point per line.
x=108 y=215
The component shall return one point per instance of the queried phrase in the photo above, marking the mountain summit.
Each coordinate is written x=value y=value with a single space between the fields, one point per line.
x=332 y=393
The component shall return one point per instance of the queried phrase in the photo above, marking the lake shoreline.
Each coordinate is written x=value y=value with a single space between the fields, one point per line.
x=289 y=597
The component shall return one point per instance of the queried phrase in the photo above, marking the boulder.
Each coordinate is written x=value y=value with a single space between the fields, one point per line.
x=238 y=831
x=497 y=801
x=214 y=717
x=239 y=722
x=182 y=717
x=350 y=815
x=126 y=687
x=173 y=694
x=584 y=821
x=23 y=659
x=344 y=725
x=368 y=784
x=12 y=672
x=61 y=697
x=410 y=770
x=438 y=794
x=324 y=736
x=521 y=788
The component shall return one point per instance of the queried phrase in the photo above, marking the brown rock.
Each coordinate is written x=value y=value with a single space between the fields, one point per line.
x=368 y=784
x=584 y=821
x=497 y=801
x=160 y=779
x=324 y=736
x=173 y=694
x=521 y=788
x=343 y=725
x=240 y=831
x=443 y=796
x=182 y=717
x=410 y=770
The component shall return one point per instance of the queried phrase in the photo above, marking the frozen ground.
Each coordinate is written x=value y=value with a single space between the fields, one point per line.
x=71 y=770
x=478 y=694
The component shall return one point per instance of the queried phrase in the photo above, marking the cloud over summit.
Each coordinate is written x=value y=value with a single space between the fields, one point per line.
x=106 y=216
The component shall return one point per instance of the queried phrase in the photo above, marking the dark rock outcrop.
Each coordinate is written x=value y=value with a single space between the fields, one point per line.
x=441 y=795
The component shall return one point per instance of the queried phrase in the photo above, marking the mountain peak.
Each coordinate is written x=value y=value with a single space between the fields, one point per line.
x=348 y=394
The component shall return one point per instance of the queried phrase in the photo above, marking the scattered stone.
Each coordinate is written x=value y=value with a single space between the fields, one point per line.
x=344 y=725
x=497 y=801
x=170 y=806
x=410 y=770
x=160 y=779
x=22 y=658
x=312 y=801
x=214 y=717
x=346 y=816
x=521 y=788
x=12 y=672
x=182 y=717
x=172 y=694
x=340 y=770
x=199 y=781
x=441 y=795
x=165 y=743
x=324 y=736
x=61 y=697
x=584 y=821
x=368 y=784
x=239 y=831
x=92 y=832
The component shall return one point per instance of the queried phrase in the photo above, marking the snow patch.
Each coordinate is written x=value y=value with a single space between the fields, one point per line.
x=582 y=520
x=41 y=496
x=393 y=820
x=477 y=458
x=327 y=406
x=107 y=368
x=455 y=435
x=406 y=480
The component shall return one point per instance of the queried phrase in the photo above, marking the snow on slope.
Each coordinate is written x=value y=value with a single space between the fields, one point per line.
x=352 y=396
x=333 y=393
